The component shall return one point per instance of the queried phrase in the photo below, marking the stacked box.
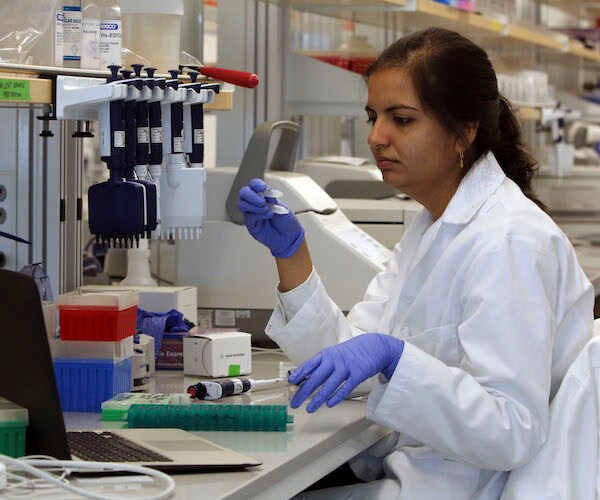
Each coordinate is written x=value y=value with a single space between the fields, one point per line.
x=98 y=316
x=13 y=424
x=93 y=357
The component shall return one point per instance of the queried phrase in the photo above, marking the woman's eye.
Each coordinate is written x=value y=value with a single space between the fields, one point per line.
x=402 y=120
x=371 y=120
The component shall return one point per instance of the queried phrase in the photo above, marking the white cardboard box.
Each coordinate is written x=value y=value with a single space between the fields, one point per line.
x=217 y=354
x=160 y=298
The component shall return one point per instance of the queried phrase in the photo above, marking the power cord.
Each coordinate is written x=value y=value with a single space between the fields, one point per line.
x=40 y=467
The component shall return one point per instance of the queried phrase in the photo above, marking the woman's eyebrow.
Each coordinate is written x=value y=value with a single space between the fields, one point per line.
x=395 y=107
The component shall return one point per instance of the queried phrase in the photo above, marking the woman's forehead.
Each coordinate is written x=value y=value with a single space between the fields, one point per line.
x=392 y=86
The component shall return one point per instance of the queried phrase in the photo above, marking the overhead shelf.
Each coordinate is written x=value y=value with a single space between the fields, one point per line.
x=20 y=83
x=422 y=13
x=345 y=92
x=14 y=90
x=528 y=113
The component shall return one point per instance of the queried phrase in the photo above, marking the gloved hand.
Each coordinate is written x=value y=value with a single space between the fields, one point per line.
x=282 y=234
x=349 y=363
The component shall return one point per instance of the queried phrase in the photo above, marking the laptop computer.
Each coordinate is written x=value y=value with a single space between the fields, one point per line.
x=27 y=378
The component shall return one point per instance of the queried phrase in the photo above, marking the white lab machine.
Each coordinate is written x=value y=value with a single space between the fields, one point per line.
x=236 y=276
x=358 y=189
x=573 y=201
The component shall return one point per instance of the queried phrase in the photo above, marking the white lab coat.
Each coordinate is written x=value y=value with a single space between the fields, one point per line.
x=493 y=306
x=567 y=466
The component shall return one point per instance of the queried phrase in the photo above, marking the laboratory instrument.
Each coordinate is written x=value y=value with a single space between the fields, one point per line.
x=358 y=189
x=226 y=260
x=210 y=390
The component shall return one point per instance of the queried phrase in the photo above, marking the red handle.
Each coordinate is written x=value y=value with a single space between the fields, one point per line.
x=240 y=78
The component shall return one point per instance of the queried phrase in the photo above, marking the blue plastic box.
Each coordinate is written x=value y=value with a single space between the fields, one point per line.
x=84 y=384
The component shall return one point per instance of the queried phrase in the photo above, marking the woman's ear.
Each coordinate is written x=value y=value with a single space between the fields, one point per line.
x=470 y=132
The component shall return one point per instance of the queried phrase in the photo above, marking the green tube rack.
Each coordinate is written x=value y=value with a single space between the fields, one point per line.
x=206 y=417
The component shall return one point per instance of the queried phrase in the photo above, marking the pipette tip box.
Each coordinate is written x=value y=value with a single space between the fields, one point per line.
x=211 y=417
x=116 y=408
x=13 y=425
x=104 y=316
x=83 y=384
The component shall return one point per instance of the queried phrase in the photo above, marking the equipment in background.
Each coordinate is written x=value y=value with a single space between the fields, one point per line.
x=235 y=276
x=576 y=195
x=151 y=189
x=359 y=191
x=585 y=137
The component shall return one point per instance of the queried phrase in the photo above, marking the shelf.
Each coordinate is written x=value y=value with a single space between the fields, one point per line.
x=423 y=13
x=14 y=90
x=35 y=85
x=527 y=113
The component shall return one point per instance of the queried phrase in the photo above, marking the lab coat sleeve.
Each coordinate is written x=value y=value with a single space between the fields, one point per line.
x=490 y=410
x=567 y=465
x=306 y=320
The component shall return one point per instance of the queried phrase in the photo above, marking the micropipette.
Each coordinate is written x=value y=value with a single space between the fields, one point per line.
x=211 y=390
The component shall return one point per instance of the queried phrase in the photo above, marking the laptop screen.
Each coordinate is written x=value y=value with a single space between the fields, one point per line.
x=26 y=370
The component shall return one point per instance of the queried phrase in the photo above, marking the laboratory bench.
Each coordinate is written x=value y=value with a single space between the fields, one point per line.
x=313 y=445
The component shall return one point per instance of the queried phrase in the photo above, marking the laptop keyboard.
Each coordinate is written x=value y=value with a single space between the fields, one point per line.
x=109 y=447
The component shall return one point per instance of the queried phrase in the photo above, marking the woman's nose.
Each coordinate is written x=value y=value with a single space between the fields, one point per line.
x=378 y=137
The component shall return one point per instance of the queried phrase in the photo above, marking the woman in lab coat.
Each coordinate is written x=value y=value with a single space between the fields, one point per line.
x=470 y=329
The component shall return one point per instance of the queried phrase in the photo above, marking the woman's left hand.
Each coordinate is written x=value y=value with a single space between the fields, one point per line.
x=341 y=368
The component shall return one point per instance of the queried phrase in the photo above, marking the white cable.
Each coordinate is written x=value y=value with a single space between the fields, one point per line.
x=31 y=466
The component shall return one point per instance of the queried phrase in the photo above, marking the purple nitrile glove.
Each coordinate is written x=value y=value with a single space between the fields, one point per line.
x=282 y=234
x=349 y=363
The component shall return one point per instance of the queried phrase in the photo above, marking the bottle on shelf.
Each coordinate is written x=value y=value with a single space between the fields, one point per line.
x=142 y=21
x=90 y=35
x=71 y=32
x=48 y=48
x=110 y=33
x=357 y=53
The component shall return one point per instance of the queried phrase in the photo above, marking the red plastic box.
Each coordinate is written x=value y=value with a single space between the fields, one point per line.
x=108 y=316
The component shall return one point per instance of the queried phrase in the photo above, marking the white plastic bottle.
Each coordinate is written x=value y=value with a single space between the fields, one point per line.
x=90 y=35
x=71 y=32
x=110 y=32
x=48 y=48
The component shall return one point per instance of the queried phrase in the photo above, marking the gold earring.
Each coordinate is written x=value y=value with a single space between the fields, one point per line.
x=461 y=157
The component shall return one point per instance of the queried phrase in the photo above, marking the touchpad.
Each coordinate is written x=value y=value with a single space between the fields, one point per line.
x=182 y=445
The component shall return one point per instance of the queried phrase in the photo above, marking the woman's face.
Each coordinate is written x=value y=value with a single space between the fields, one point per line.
x=415 y=154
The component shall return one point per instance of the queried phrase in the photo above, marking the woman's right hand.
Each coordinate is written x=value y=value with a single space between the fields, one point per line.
x=282 y=234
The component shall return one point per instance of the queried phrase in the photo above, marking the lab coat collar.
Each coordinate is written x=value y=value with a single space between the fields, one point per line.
x=477 y=186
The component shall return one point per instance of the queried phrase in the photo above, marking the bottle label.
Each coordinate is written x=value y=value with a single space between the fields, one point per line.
x=143 y=135
x=71 y=33
x=198 y=136
x=59 y=18
x=110 y=43
x=177 y=144
x=119 y=139
x=90 y=44
x=156 y=135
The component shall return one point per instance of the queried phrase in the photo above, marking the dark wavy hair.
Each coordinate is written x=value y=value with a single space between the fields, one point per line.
x=456 y=83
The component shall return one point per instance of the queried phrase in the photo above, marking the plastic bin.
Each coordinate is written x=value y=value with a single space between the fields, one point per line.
x=13 y=424
x=84 y=384
x=116 y=350
x=107 y=316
